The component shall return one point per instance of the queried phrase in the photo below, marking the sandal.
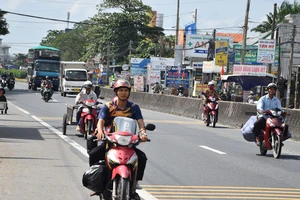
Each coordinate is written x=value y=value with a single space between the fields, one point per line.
x=135 y=196
x=94 y=193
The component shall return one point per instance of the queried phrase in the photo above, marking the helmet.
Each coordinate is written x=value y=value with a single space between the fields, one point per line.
x=272 y=85
x=47 y=77
x=251 y=92
x=88 y=84
x=122 y=84
x=211 y=83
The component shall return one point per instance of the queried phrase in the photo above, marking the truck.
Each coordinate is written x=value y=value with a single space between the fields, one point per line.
x=72 y=77
x=43 y=61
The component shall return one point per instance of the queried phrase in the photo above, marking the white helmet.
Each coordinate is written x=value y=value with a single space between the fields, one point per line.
x=88 y=84
x=211 y=83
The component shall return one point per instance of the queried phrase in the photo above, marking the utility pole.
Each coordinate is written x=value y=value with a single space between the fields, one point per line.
x=177 y=24
x=130 y=46
x=108 y=63
x=245 y=32
x=290 y=68
x=195 y=17
x=296 y=103
x=273 y=30
x=279 y=67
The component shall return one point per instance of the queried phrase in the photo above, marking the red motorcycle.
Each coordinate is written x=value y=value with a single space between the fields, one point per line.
x=88 y=120
x=211 y=108
x=121 y=159
x=275 y=133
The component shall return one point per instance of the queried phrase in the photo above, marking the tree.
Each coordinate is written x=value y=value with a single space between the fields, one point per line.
x=71 y=44
x=3 y=24
x=119 y=29
x=284 y=9
x=20 y=59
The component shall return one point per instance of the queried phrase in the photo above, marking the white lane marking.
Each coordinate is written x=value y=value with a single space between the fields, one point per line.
x=143 y=193
x=24 y=111
x=211 y=149
x=54 y=100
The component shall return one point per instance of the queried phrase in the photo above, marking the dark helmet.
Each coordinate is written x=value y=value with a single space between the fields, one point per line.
x=272 y=85
x=88 y=84
x=121 y=84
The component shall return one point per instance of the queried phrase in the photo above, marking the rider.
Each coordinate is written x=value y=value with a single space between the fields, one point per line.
x=180 y=89
x=120 y=106
x=83 y=95
x=207 y=93
x=251 y=98
x=46 y=82
x=266 y=102
x=11 y=76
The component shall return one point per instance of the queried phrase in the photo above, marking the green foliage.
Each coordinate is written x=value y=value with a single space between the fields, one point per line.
x=17 y=73
x=3 y=24
x=116 y=30
x=285 y=8
x=20 y=59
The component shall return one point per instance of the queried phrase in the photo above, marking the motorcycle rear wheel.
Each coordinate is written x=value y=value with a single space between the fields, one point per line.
x=277 y=146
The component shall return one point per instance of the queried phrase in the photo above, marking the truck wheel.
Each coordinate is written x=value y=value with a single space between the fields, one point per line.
x=64 y=94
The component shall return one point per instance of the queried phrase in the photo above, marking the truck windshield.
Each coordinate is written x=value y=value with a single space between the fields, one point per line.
x=76 y=76
x=47 y=67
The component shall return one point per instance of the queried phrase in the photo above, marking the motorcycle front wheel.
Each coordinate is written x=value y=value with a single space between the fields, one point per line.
x=123 y=189
x=276 y=140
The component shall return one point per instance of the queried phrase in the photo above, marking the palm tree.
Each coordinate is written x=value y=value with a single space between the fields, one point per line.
x=284 y=9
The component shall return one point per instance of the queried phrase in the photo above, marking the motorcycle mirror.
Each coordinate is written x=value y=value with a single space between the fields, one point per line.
x=150 y=127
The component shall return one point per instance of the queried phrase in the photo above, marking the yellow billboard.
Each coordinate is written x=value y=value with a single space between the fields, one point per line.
x=221 y=57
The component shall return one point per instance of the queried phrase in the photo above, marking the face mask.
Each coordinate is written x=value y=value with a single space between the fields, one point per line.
x=211 y=87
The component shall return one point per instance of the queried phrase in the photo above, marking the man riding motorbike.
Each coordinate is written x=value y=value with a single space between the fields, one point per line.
x=266 y=102
x=209 y=92
x=11 y=76
x=46 y=82
x=180 y=90
x=85 y=94
x=251 y=98
x=120 y=106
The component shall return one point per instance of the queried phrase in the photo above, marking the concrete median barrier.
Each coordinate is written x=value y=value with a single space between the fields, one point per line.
x=230 y=113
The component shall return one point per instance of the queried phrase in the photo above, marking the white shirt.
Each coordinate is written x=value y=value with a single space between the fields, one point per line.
x=84 y=96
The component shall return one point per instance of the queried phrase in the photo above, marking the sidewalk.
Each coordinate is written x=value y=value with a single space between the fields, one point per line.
x=35 y=163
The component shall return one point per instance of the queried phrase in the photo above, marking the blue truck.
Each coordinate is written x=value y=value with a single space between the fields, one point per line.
x=43 y=61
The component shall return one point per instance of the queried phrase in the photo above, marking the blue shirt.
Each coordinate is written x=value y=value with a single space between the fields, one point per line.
x=266 y=103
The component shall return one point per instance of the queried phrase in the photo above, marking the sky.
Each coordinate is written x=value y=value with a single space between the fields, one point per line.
x=224 y=15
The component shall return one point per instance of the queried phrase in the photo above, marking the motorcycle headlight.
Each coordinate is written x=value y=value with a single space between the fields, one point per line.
x=282 y=125
x=89 y=104
x=213 y=99
x=273 y=112
x=123 y=140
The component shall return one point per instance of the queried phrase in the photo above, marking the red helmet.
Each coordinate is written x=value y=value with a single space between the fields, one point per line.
x=121 y=84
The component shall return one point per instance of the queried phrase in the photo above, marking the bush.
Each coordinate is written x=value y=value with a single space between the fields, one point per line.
x=17 y=73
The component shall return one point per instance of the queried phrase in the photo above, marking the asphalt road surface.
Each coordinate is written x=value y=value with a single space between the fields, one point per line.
x=186 y=159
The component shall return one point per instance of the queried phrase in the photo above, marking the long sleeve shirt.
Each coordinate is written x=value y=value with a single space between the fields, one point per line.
x=84 y=96
x=266 y=103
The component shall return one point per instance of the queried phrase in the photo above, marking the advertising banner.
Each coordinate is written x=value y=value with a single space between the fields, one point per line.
x=221 y=53
x=139 y=83
x=196 y=45
x=266 y=51
x=138 y=66
x=174 y=78
x=254 y=70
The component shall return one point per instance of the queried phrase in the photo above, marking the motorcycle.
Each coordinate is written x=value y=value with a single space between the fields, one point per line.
x=121 y=159
x=275 y=133
x=3 y=81
x=211 y=108
x=46 y=92
x=11 y=84
x=88 y=120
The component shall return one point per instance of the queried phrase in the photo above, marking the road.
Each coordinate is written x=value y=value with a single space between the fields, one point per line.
x=186 y=159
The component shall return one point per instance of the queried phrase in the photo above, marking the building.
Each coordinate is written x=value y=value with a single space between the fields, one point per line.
x=4 y=54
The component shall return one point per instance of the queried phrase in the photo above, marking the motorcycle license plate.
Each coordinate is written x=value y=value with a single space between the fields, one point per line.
x=76 y=90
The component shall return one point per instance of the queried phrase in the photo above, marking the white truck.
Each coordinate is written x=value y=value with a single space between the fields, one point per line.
x=72 y=77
